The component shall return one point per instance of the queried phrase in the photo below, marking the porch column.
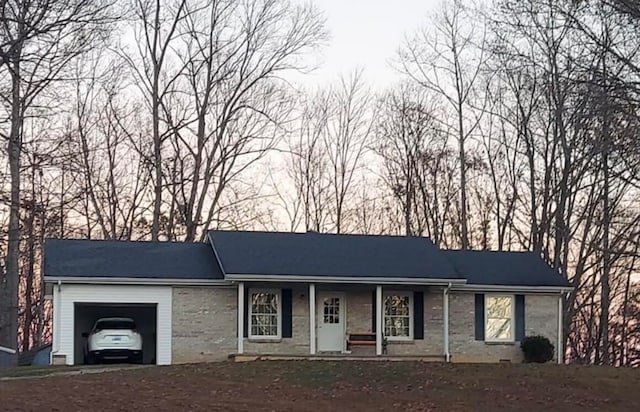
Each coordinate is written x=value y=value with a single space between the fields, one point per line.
x=379 y=320
x=312 y=318
x=560 y=350
x=241 y=309
x=445 y=320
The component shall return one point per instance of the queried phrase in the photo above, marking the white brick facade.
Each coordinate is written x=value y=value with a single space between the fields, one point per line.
x=541 y=318
x=204 y=325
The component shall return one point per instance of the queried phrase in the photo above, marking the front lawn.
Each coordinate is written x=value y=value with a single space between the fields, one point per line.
x=321 y=385
x=42 y=371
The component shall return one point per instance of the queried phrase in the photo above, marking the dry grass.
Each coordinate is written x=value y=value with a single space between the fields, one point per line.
x=319 y=385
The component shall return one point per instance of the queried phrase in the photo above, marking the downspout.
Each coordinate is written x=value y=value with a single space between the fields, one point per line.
x=445 y=304
x=56 y=324
x=242 y=306
x=560 y=346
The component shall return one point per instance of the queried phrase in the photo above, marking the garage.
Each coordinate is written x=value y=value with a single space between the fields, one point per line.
x=78 y=306
x=92 y=279
x=144 y=316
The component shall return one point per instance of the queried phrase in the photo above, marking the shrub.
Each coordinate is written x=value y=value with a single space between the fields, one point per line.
x=537 y=349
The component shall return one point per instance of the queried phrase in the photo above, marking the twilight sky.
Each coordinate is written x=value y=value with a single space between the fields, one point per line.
x=366 y=34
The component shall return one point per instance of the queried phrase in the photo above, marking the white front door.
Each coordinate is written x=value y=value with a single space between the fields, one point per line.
x=331 y=321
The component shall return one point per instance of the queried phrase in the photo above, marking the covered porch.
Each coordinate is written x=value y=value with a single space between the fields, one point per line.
x=327 y=320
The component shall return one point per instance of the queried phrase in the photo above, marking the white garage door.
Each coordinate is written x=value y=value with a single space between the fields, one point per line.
x=64 y=304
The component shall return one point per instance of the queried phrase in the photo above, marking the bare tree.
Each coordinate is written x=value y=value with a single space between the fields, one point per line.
x=405 y=125
x=308 y=163
x=211 y=76
x=108 y=155
x=566 y=97
x=241 y=107
x=349 y=130
x=39 y=40
x=448 y=61
x=155 y=34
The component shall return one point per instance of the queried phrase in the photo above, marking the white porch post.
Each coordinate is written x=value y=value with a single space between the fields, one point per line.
x=445 y=310
x=312 y=318
x=241 y=309
x=560 y=350
x=379 y=320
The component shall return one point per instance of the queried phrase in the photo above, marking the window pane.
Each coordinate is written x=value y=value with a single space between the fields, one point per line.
x=499 y=329
x=264 y=314
x=499 y=307
x=499 y=317
x=397 y=316
x=331 y=310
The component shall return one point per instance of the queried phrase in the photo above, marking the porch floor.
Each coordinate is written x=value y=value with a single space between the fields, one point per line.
x=248 y=357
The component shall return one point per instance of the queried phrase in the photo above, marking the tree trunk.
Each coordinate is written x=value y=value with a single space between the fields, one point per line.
x=9 y=332
x=28 y=292
x=157 y=140
x=606 y=218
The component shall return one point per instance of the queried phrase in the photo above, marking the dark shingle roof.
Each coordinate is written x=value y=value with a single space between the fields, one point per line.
x=315 y=254
x=295 y=254
x=482 y=267
x=124 y=259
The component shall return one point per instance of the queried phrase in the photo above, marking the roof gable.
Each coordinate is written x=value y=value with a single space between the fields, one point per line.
x=129 y=259
x=329 y=255
x=508 y=268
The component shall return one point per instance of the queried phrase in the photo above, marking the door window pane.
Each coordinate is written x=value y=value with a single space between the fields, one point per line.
x=331 y=311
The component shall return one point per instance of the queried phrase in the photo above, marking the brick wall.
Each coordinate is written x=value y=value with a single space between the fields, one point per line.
x=541 y=313
x=541 y=317
x=204 y=323
x=298 y=344
x=432 y=344
x=359 y=319
x=359 y=310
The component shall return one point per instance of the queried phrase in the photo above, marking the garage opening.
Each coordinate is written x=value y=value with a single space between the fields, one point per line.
x=144 y=315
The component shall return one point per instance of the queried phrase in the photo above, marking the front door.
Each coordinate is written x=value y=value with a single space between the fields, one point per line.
x=331 y=321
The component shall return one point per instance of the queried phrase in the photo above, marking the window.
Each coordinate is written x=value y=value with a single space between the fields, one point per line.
x=499 y=314
x=264 y=314
x=114 y=323
x=398 y=316
x=331 y=310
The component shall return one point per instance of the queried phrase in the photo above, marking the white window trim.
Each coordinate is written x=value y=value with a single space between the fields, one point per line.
x=411 y=318
x=277 y=292
x=513 y=318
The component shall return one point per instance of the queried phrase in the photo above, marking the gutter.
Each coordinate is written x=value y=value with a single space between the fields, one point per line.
x=87 y=280
x=237 y=277
x=508 y=288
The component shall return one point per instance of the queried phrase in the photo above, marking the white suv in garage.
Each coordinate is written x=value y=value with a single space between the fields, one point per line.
x=113 y=338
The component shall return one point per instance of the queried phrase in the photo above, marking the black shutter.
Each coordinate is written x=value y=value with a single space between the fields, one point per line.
x=519 y=317
x=247 y=306
x=479 y=315
x=418 y=315
x=373 y=313
x=287 y=314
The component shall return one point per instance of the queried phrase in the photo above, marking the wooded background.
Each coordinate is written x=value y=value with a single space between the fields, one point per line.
x=514 y=127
